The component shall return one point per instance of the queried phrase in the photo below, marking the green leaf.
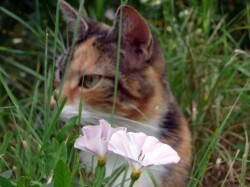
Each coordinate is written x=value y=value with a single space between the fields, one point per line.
x=67 y=128
x=5 y=182
x=63 y=152
x=53 y=153
x=7 y=174
x=26 y=182
x=35 y=184
x=23 y=182
x=50 y=158
x=62 y=175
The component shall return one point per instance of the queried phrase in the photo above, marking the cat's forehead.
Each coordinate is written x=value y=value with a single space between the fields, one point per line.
x=95 y=55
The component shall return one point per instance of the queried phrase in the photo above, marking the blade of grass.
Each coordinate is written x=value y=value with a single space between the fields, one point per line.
x=46 y=100
x=152 y=177
x=4 y=145
x=38 y=17
x=241 y=69
x=117 y=65
x=34 y=102
x=215 y=31
x=3 y=72
x=230 y=168
x=244 y=161
x=56 y=35
x=99 y=9
x=115 y=174
x=248 y=17
x=18 y=52
x=19 y=110
x=60 y=42
x=48 y=87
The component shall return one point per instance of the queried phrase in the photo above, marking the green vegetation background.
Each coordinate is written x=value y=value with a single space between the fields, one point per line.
x=208 y=65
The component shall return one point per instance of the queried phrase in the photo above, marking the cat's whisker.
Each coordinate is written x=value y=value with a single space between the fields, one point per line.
x=119 y=121
x=93 y=117
x=168 y=133
x=139 y=111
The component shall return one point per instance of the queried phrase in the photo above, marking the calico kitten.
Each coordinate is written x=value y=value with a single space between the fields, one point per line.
x=144 y=99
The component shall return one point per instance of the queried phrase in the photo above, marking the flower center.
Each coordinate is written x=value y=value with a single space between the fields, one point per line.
x=141 y=156
x=101 y=161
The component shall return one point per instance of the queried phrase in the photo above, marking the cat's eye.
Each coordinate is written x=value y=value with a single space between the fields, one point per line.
x=89 y=81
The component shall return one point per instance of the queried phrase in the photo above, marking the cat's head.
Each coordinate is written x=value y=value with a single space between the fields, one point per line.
x=142 y=90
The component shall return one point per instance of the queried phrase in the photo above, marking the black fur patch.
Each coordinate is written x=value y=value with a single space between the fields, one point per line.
x=171 y=121
x=171 y=124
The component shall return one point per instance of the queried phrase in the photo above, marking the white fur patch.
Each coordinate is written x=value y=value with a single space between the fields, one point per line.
x=93 y=117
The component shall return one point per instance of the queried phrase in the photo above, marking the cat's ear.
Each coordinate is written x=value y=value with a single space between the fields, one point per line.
x=87 y=24
x=70 y=15
x=135 y=31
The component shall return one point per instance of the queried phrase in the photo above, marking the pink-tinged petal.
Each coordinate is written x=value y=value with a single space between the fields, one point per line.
x=95 y=139
x=119 y=143
x=136 y=141
x=90 y=131
x=107 y=130
x=93 y=145
x=141 y=151
x=79 y=143
x=161 y=154
x=97 y=147
x=125 y=145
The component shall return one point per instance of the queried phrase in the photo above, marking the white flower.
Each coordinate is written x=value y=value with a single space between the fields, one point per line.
x=141 y=151
x=95 y=139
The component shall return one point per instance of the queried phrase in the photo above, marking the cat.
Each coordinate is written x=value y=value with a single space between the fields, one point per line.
x=144 y=99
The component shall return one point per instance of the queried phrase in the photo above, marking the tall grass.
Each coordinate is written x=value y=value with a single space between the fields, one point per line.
x=208 y=69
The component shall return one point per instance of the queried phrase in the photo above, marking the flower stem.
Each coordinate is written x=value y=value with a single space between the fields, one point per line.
x=98 y=180
x=135 y=175
x=132 y=183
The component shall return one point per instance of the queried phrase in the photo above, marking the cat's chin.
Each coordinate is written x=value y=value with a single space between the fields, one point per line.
x=91 y=117
x=68 y=112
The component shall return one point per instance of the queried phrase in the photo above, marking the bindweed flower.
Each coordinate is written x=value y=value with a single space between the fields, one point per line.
x=141 y=151
x=95 y=140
